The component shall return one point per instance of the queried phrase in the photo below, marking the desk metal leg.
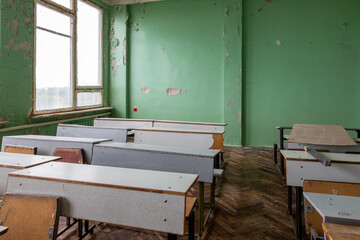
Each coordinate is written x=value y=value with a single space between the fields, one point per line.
x=191 y=226
x=281 y=156
x=289 y=210
x=275 y=153
x=298 y=213
x=80 y=226
x=282 y=167
x=212 y=194
x=172 y=236
x=201 y=207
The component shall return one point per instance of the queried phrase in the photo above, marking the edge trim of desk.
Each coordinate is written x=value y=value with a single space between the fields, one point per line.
x=104 y=185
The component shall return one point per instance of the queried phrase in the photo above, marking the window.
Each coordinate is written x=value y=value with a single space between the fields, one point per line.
x=68 y=63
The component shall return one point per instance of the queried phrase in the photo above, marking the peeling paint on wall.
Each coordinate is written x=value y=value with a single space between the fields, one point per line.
x=145 y=90
x=239 y=116
x=124 y=52
x=231 y=102
x=173 y=91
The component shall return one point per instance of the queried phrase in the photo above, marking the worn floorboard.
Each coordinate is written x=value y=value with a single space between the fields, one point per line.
x=251 y=203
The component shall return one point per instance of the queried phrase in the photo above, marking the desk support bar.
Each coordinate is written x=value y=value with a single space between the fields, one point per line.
x=318 y=156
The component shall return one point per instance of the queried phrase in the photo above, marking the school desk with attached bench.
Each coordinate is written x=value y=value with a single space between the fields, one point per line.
x=189 y=125
x=80 y=131
x=47 y=144
x=123 y=123
x=301 y=166
x=337 y=212
x=10 y=162
x=151 y=200
x=201 y=162
x=205 y=139
x=282 y=145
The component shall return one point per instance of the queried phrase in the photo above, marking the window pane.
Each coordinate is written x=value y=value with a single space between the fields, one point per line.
x=53 y=71
x=89 y=50
x=89 y=98
x=52 y=20
x=65 y=3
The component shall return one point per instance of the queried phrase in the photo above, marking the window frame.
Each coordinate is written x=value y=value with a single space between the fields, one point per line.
x=75 y=89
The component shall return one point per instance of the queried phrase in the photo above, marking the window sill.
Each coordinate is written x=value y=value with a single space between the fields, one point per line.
x=62 y=115
x=3 y=123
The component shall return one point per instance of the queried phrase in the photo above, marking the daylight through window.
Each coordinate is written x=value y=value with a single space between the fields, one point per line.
x=68 y=63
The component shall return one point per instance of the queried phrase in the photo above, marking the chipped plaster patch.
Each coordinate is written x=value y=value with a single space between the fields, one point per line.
x=145 y=90
x=239 y=116
x=231 y=102
x=278 y=42
x=173 y=91
x=10 y=43
x=14 y=27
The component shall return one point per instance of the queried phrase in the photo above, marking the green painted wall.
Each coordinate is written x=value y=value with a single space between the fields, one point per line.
x=301 y=65
x=183 y=62
x=16 y=64
x=254 y=64
x=177 y=44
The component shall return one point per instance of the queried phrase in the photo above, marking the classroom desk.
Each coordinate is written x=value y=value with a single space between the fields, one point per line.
x=47 y=144
x=122 y=123
x=341 y=232
x=80 y=131
x=202 y=162
x=190 y=125
x=143 y=199
x=10 y=162
x=282 y=145
x=205 y=139
x=300 y=166
x=337 y=209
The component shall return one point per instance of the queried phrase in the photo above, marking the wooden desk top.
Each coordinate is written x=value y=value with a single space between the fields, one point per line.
x=157 y=129
x=341 y=232
x=113 y=177
x=334 y=157
x=333 y=135
x=58 y=138
x=163 y=149
x=337 y=209
x=21 y=161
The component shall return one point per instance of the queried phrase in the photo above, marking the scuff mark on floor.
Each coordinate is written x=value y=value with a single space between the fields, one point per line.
x=174 y=91
x=145 y=90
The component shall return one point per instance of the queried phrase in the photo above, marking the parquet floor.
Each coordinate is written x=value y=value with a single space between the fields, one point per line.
x=250 y=203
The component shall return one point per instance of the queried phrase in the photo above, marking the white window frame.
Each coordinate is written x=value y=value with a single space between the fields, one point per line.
x=75 y=89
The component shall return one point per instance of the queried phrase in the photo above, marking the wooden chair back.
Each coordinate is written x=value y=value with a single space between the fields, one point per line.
x=70 y=155
x=29 y=217
x=20 y=149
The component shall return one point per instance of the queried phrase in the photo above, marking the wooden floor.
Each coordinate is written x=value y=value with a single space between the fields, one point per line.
x=250 y=203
